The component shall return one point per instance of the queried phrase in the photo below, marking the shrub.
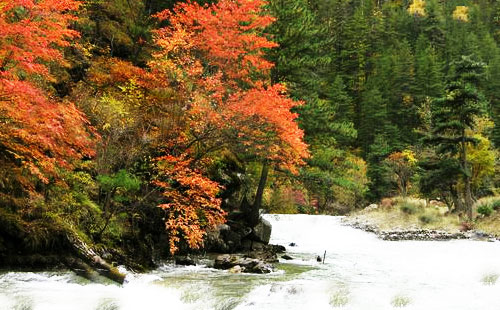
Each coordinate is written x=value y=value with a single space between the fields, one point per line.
x=387 y=203
x=408 y=208
x=495 y=205
x=427 y=219
x=485 y=209
x=466 y=226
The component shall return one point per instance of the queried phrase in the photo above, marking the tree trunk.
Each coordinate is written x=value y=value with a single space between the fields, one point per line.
x=457 y=201
x=468 y=198
x=89 y=256
x=254 y=214
x=465 y=167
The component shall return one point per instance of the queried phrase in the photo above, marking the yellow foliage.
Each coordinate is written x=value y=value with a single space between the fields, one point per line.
x=482 y=155
x=355 y=174
x=461 y=13
x=417 y=8
x=409 y=155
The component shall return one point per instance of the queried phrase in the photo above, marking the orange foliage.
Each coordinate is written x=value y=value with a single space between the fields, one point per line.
x=192 y=207
x=212 y=57
x=266 y=125
x=214 y=54
x=37 y=132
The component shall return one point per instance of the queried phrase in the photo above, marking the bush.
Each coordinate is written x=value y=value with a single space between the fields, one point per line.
x=427 y=219
x=466 y=226
x=495 y=205
x=485 y=209
x=408 y=208
x=387 y=203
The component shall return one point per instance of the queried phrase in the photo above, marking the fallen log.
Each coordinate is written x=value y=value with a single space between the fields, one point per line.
x=90 y=258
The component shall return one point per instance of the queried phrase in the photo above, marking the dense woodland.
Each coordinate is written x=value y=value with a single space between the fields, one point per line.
x=139 y=124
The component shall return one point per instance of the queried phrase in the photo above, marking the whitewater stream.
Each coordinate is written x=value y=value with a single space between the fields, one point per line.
x=361 y=272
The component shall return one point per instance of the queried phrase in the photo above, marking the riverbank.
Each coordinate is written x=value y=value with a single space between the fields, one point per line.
x=397 y=219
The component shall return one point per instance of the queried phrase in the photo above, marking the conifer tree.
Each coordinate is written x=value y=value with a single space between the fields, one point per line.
x=453 y=114
x=428 y=76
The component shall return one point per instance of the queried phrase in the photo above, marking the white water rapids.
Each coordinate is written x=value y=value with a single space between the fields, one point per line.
x=361 y=272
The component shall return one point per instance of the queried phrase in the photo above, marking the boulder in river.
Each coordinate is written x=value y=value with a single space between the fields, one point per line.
x=246 y=264
x=185 y=261
x=262 y=231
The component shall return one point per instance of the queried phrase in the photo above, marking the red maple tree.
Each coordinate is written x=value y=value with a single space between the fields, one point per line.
x=38 y=133
x=213 y=56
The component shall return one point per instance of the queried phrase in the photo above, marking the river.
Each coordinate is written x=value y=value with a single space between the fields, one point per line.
x=360 y=272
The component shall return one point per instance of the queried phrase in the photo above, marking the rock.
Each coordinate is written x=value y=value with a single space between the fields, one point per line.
x=249 y=265
x=214 y=240
x=265 y=255
x=261 y=268
x=278 y=248
x=262 y=231
x=235 y=269
x=246 y=244
x=292 y=244
x=371 y=207
x=184 y=261
x=232 y=240
x=287 y=257
x=257 y=246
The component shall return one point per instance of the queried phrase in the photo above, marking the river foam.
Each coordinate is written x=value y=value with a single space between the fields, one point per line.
x=360 y=272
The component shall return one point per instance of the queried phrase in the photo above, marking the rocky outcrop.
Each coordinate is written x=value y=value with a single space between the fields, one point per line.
x=242 y=263
x=399 y=234
x=236 y=236
x=420 y=234
x=245 y=249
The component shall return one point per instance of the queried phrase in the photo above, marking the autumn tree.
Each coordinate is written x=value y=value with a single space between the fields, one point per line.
x=39 y=133
x=213 y=57
x=402 y=165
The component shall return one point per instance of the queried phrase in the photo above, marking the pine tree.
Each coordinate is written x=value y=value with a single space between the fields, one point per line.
x=433 y=24
x=493 y=95
x=301 y=56
x=402 y=109
x=374 y=118
x=428 y=76
x=453 y=114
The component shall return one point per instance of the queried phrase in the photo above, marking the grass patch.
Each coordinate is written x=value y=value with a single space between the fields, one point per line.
x=408 y=208
x=412 y=213
x=490 y=222
x=489 y=279
x=400 y=301
x=340 y=298
x=427 y=219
